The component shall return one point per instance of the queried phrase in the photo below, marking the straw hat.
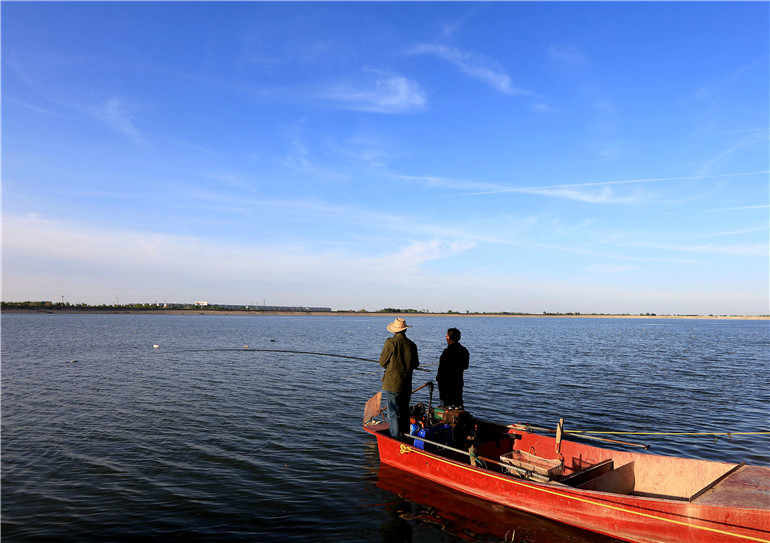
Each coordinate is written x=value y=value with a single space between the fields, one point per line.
x=398 y=325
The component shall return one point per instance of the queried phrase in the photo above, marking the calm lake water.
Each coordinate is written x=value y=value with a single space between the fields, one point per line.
x=105 y=438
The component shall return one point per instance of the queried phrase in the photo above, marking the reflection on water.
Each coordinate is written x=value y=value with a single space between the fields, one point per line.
x=422 y=502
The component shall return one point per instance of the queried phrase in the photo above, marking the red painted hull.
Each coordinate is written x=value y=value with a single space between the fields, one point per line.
x=739 y=510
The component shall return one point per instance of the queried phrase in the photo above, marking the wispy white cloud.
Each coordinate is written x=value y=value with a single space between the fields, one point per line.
x=142 y=266
x=450 y=28
x=741 y=131
x=472 y=65
x=37 y=108
x=577 y=192
x=739 y=208
x=739 y=232
x=725 y=109
x=606 y=149
x=603 y=196
x=571 y=191
x=299 y=155
x=720 y=159
x=114 y=112
x=758 y=249
x=545 y=108
x=418 y=252
x=158 y=261
x=383 y=93
x=715 y=89
x=368 y=149
x=567 y=55
x=119 y=115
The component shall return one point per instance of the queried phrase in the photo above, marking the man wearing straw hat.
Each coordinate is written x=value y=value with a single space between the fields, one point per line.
x=399 y=358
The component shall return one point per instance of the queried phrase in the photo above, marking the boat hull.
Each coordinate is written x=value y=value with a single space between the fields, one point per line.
x=630 y=517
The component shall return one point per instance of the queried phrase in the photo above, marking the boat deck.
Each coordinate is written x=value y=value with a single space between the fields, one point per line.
x=748 y=487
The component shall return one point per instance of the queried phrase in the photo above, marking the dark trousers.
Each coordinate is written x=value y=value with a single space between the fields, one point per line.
x=398 y=412
x=450 y=395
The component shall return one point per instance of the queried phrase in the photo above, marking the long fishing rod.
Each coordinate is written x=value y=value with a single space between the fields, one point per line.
x=249 y=349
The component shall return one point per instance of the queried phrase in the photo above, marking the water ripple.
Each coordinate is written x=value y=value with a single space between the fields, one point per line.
x=134 y=443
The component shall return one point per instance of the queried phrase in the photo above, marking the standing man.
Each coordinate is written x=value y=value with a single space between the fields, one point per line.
x=453 y=361
x=399 y=358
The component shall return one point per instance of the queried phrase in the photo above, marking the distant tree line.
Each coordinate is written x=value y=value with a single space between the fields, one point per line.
x=68 y=305
x=155 y=306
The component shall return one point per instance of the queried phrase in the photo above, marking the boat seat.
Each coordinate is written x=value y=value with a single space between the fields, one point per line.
x=580 y=477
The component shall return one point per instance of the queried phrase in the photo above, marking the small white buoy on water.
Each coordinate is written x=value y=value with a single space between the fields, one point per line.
x=156 y=346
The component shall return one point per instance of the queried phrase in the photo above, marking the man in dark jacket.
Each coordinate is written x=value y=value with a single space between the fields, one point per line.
x=399 y=358
x=451 y=364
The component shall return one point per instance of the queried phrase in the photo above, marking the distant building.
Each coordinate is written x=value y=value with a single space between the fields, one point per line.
x=238 y=307
x=291 y=308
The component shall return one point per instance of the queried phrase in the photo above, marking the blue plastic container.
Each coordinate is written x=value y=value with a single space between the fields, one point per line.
x=437 y=434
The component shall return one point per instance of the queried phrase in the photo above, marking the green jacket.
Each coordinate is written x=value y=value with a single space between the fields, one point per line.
x=399 y=358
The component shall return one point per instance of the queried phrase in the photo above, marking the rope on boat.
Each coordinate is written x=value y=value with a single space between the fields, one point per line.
x=588 y=433
x=407 y=449
x=670 y=433
x=529 y=429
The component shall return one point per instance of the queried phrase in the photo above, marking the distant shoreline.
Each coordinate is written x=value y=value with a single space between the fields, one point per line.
x=257 y=313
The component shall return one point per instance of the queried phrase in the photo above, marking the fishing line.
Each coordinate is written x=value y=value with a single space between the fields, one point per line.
x=248 y=349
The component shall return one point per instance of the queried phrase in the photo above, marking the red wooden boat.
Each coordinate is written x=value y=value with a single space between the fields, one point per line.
x=632 y=496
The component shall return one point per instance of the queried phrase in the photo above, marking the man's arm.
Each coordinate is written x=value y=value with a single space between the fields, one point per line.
x=387 y=352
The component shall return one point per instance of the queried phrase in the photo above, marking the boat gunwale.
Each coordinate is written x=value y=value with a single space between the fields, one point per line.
x=692 y=521
x=551 y=485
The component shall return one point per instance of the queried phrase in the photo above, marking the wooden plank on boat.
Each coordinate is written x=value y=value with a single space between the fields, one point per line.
x=580 y=477
x=714 y=482
x=617 y=481
x=747 y=487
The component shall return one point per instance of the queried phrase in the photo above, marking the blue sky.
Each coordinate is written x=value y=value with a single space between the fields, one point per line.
x=607 y=157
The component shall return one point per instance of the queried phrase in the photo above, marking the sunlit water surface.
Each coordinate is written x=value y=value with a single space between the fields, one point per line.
x=105 y=437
